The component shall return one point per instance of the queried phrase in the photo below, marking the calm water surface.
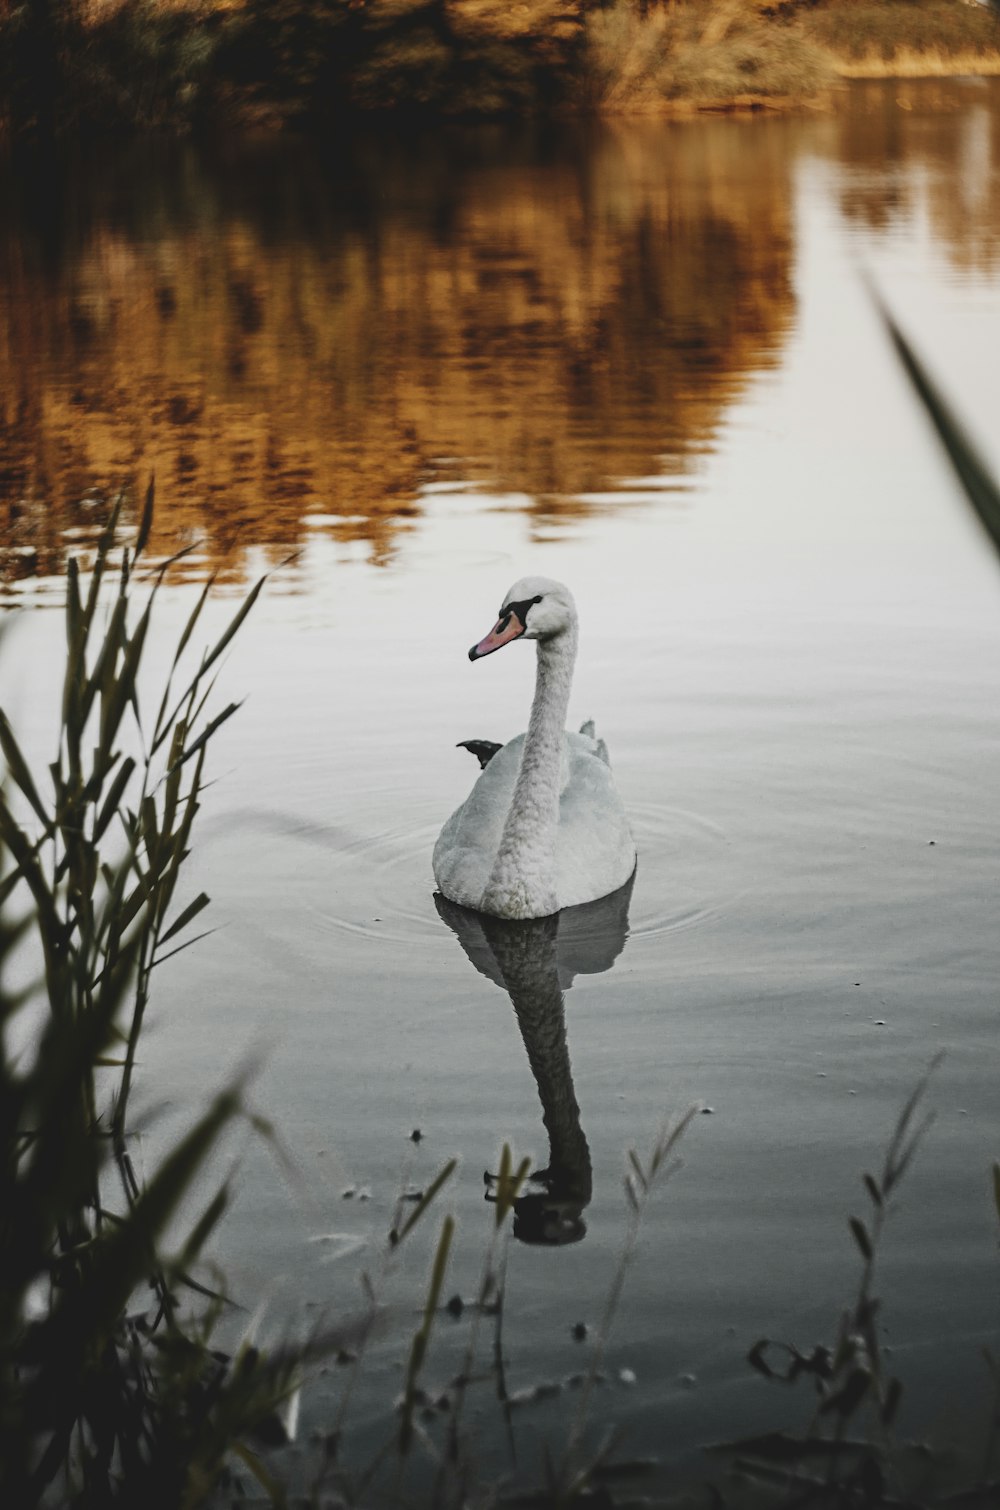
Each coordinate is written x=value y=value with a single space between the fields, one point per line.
x=640 y=358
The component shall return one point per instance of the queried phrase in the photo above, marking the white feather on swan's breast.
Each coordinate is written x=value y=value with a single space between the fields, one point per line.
x=594 y=847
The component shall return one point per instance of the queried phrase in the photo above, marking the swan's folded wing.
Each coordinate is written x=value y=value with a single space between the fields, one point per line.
x=468 y=843
x=483 y=749
x=595 y=849
x=588 y=732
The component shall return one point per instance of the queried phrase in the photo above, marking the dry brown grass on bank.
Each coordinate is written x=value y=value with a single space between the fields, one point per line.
x=698 y=55
x=942 y=30
x=906 y=64
x=760 y=64
x=705 y=54
x=906 y=39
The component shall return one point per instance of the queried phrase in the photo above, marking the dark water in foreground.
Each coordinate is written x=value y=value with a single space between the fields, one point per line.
x=640 y=358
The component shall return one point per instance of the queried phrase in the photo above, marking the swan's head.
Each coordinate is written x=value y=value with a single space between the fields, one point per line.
x=535 y=608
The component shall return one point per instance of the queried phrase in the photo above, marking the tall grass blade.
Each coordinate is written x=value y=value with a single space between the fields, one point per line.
x=204 y=1227
x=208 y=731
x=114 y=798
x=18 y=768
x=872 y=1187
x=122 y=689
x=234 y=625
x=438 y=1271
x=114 y=641
x=508 y=1186
x=861 y=1237
x=180 y=838
x=123 y=1259
x=979 y=485
x=267 y=1481
x=76 y=636
x=146 y=523
x=172 y=790
x=191 y=911
x=891 y=1167
x=30 y=870
x=634 y=1160
x=425 y=1200
x=418 y=1348
x=195 y=616
x=159 y=572
x=105 y=541
x=161 y=959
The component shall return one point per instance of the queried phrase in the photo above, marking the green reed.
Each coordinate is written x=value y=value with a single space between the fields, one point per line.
x=490 y=1296
x=107 y=1396
x=577 y=1471
x=410 y=1439
x=849 y=1452
x=432 y=1435
x=977 y=481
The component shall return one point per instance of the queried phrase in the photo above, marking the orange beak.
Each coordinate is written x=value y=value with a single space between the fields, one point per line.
x=508 y=627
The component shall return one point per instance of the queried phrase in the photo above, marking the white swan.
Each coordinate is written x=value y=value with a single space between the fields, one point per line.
x=544 y=827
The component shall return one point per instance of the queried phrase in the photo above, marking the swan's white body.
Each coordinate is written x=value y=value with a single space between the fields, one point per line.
x=544 y=827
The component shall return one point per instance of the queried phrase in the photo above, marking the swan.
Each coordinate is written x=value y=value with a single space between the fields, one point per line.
x=544 y=827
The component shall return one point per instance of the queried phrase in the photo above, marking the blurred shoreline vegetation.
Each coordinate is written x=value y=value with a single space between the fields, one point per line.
x=176 y=65
x=296 y=340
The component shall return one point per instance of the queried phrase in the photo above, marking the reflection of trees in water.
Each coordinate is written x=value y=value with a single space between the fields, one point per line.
x=273 y=334
x=561 y=310
x=534 y=962
x=925 y=146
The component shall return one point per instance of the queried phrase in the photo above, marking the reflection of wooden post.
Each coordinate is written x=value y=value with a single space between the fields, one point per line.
x=526 y=955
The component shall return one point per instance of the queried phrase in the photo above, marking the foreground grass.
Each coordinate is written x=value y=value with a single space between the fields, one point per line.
x=111 y=1391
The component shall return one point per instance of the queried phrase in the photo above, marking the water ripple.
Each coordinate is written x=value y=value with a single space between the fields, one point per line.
x=380 y=885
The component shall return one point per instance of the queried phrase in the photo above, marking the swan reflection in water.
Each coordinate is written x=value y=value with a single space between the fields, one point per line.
x=535 y=961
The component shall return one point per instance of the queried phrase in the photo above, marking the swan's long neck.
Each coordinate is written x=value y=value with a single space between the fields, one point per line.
x=522 y=882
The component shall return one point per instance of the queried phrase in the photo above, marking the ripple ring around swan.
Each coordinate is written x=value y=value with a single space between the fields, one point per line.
x=377 y=880
x=681 y=854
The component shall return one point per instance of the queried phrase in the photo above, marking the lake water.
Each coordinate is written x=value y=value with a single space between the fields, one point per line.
x=639 y=357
